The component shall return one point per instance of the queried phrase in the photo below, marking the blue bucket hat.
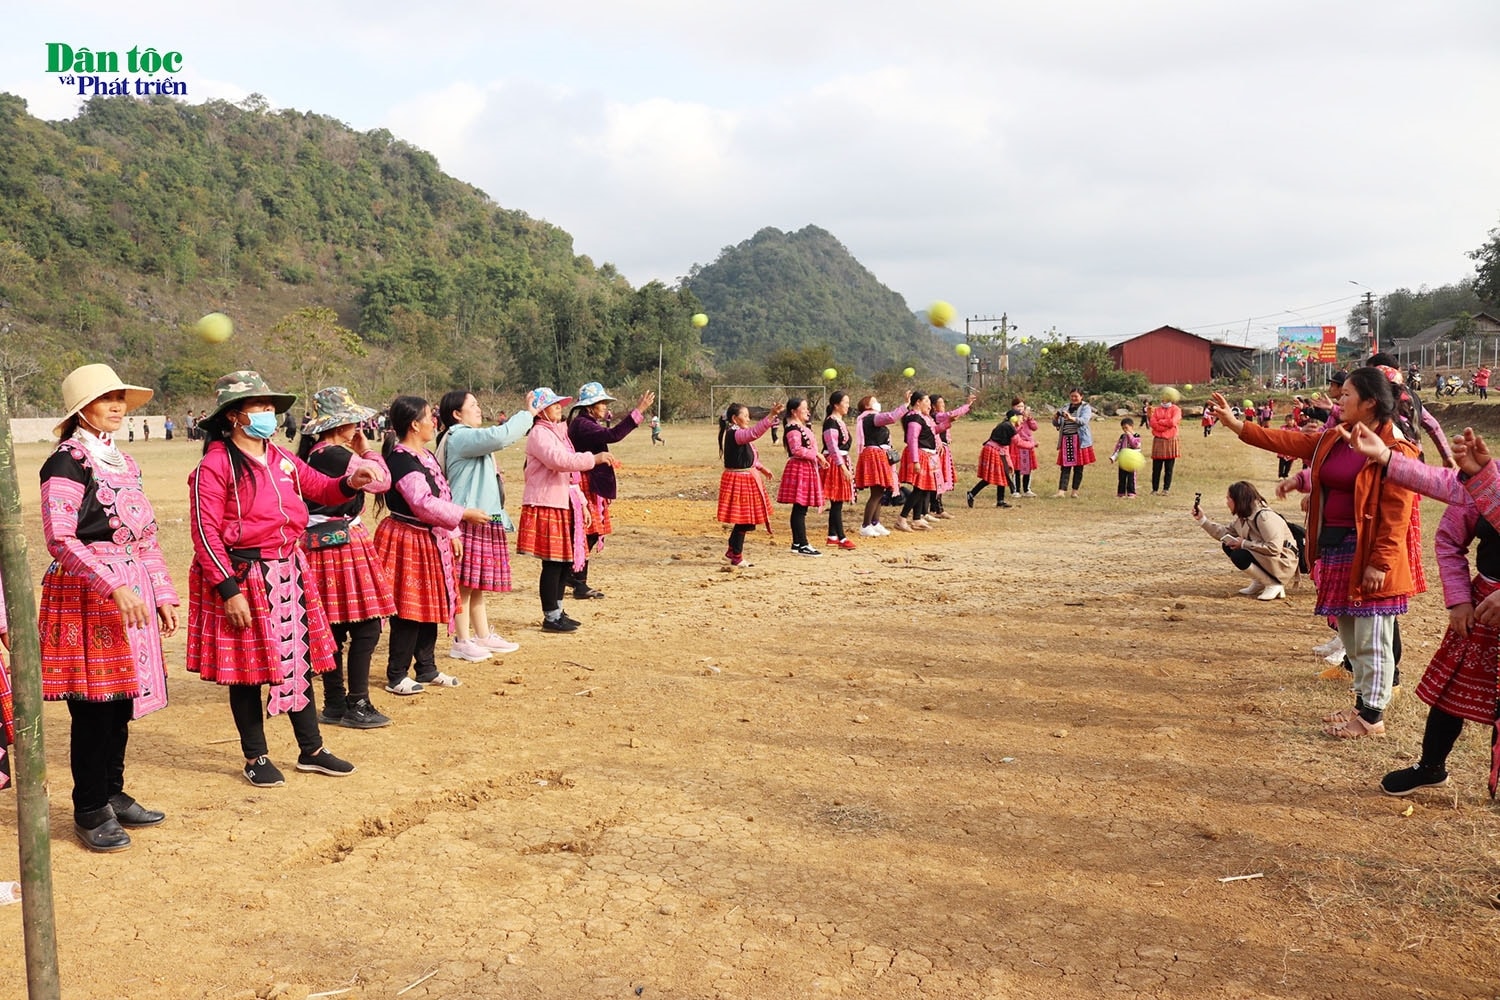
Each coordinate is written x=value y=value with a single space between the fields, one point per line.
x=592 y=392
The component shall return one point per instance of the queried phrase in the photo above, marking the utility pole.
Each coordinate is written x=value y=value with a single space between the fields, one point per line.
x=999 y=335
x=1374 y=324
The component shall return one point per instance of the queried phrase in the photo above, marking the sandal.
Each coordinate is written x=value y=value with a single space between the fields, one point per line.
x=443 y=680
x=1355 y=728
x=1342 y=716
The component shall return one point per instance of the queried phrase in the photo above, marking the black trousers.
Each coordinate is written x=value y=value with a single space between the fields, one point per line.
x=412 y=643
x=361 y=638
x=799 y=524
x=1062 y=476
x=737 y=538
x=554 y=580
x=1161 y=473
x=250 y=719
x=1126 y=482
x=96 y=750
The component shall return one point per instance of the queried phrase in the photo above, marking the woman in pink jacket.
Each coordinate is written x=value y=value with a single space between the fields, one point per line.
x=1165 y=419
x=254 y=617
x=554 y=517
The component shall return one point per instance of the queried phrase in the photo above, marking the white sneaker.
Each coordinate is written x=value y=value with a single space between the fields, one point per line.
x=868 y=531
x=1252 y=590
x=881 y=529
x=497 y=643
x=1274 y=592
x=1334 y=645
x=469 y=650
x=1336 y=658
x=1028 y=493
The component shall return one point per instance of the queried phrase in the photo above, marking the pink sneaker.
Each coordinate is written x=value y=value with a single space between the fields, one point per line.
x=495 y=642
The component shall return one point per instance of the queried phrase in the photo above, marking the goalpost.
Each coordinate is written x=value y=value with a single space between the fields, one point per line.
x=780 y=393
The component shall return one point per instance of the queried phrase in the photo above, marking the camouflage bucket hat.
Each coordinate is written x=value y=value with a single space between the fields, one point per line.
x=335 y=407
x=242 y=385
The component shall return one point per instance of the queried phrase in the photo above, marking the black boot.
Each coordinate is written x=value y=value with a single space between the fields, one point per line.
x=100 y=831
x=129 y=812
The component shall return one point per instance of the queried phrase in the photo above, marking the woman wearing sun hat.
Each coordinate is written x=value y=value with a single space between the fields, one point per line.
x=465 y=450
x=589 y=433
x=345 y=569
x=107 y=599
x=554 y=517
x=254 y=617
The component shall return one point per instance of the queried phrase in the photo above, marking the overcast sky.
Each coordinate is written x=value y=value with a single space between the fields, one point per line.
x=1100 y=167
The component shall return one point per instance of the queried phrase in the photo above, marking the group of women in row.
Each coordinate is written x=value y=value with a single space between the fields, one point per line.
x=863 y=458
x=1364 y=473
x=286 y=582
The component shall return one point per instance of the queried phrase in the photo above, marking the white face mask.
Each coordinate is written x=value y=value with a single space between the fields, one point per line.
x=875 y=406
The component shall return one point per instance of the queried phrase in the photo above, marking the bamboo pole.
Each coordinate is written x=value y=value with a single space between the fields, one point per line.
x=29 y=762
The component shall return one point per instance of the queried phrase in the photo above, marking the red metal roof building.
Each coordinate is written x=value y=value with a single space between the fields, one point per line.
x=1171 y=356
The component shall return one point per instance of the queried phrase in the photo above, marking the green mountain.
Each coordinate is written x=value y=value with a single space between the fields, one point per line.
x=347 y=256
x=786 y=291
x=119 y=228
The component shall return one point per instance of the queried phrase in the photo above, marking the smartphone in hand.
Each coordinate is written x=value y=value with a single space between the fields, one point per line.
x=1197 y=499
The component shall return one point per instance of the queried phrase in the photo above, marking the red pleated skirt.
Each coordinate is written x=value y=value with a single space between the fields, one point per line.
x=1461 y=679
x=742 y=498
x=994 y=464
x=547 y=533
x=351 y=581
x=288 y=629
x=85 y=645
x=874 y=468
x=920 y=470
x=836 y=483
x=420 y=567
x=800 y=483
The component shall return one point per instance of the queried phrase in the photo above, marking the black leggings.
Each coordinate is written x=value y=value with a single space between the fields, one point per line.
x=1438 y=739
x=96 y=750
x=737 y=538
x=979 y=488
x=836 y=519
x=799 y=524
x=553 y=583
x=918 y=502
x=412 y=643
x=1062 y=476
x=1161 y=473
x=1283 y=467
x=250 y=719
x=362 y=637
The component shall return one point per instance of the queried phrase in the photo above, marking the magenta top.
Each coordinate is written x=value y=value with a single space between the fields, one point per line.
x=1338 y=473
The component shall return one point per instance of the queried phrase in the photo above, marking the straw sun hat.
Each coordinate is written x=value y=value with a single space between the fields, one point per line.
x=86 y=384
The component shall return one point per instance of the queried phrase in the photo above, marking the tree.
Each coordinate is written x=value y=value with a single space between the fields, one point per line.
x=1487 y=269
x=313 y=345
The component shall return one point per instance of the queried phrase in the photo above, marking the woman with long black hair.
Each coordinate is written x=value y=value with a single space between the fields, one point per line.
x=419 y=544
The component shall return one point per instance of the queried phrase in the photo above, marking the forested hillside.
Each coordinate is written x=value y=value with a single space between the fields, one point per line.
x=350 y=256
x=779 y=290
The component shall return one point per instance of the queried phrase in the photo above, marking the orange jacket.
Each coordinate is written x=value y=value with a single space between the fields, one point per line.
x=1382 y=510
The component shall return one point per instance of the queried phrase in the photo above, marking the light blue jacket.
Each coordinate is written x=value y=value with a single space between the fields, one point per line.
x=467 y=454
x=1083 y=416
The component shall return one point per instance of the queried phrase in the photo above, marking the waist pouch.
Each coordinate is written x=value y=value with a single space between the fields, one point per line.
x=327 y=534
x=1332 y=538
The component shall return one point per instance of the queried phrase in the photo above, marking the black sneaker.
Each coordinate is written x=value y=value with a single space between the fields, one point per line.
x=570 y=619
x=1410 y=779
x=805 y=550
x=362 y=715
x=970 y=498
x=328 y=718
x=1004 y=504
x=324 y=762
x=261 y=773
x=563 y=624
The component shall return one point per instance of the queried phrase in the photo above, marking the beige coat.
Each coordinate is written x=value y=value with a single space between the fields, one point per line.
x=1266 y=535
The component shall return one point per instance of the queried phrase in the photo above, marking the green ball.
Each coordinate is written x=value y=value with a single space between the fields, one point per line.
x=1249 y=404
x=908 y=372
x=830 y=374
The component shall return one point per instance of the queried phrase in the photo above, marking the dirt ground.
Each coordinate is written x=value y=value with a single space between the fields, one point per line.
x=1018 y=756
